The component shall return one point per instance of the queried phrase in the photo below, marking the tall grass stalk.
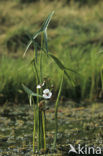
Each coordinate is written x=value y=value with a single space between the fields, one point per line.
x=56 y=111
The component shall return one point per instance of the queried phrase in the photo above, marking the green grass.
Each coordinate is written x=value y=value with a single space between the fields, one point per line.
x=88 y=82
x=13 y=74
x=75 y=36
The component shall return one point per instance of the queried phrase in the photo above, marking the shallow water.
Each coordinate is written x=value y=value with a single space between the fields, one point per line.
x=81 y=125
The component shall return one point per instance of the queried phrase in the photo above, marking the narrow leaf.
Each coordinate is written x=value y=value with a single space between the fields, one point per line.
x=47 y=21
x=59 y=63
x=30 y=92
x=31 y=41
x=61 y=66
x=56 y=111
x=45 y=41
x=69 y=77
x=36 y=50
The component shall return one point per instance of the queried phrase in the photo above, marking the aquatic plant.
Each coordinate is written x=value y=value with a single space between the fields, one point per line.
x=43 y=92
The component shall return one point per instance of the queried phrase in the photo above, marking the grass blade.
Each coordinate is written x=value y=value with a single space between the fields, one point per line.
x=36 y=50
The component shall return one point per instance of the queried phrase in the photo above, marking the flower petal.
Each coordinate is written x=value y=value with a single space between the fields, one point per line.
x=45 y=96
x=45 y=91
x=38 y=86
x=43 y=83
x=50 y=94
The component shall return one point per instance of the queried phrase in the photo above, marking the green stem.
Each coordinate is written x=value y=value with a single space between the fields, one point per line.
x=41 y=67
x=39 y=142
x=44 y=132
x=34 y=129
x=101 y=73
x=37 y=76
x=41 y=132
x=56 y=111
x=37 y=110
x=41 y=58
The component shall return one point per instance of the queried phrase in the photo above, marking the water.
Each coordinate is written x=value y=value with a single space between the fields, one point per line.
x=82 y=125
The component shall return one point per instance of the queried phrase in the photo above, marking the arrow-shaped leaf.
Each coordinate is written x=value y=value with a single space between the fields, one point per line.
x=43 y=28
x=31 y=41
x=47 y=21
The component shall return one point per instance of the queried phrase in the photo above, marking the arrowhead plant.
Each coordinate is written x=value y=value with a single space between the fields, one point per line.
x=43 y=93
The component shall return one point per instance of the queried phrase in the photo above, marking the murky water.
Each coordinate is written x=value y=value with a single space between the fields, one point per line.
x=76 y=126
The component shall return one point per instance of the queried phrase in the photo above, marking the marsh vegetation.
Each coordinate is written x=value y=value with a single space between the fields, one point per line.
x=75 y=37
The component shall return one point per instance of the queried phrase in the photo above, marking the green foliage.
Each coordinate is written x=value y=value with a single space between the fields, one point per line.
x=30 y=92
x=56 y=109
x=75 y=40
x=81 y=60
x=43 y=29
x=17 y=39
x=39 y=121
x=12 y=74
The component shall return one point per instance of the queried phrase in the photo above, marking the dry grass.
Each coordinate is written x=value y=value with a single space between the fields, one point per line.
x=30 y=16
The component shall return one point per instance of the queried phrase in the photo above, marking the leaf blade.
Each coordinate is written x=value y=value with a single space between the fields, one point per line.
x=47 y=21
x=31 y=41
x=59 y=63
x=45 y=41
x=30 y=92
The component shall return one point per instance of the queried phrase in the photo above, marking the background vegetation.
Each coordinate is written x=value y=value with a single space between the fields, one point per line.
x=75 y=35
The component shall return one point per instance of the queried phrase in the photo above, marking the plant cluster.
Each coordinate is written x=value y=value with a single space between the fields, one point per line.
x=43 y=93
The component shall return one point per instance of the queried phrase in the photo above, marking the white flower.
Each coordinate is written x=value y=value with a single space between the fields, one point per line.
x=38 y=86
x=43 y=83
x=47 y=94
